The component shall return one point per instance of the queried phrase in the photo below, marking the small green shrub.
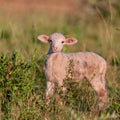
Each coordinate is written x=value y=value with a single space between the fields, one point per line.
x=16 y=83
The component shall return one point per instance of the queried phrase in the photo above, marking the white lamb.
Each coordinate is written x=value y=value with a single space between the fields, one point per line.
x=87 y=65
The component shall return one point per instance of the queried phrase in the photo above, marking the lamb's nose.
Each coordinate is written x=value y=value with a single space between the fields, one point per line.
x=55 y=49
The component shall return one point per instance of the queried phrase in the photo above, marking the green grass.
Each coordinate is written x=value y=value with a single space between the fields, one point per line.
x=22 y=86
x=22 y=81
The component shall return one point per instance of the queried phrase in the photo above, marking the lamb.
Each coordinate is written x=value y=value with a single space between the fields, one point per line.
x=87 y=65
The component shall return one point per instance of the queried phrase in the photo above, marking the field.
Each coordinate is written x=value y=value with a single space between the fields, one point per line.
x=96 y=26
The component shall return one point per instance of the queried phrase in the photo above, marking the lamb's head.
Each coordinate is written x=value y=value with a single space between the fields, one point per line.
x=56 y=41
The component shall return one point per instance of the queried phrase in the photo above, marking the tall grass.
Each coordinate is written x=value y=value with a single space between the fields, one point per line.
x=22 y=81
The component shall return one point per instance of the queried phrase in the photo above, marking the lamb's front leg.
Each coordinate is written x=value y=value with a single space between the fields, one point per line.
x=49 y=90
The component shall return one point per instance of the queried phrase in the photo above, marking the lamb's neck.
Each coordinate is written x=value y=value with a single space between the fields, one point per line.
x=51 y=53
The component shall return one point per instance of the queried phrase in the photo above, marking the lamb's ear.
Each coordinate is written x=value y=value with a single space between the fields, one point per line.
x=43 y=38
x=70 y=41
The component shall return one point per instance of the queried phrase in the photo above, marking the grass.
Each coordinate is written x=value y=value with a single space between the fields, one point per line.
x=22 y=81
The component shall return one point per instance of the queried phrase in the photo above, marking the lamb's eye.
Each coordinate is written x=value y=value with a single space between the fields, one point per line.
x=50 y=40
x=62 y=42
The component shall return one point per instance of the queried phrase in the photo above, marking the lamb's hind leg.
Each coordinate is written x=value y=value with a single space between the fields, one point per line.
x=100 y=90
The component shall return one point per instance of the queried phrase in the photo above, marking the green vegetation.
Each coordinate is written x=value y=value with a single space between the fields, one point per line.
x=22 y=81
